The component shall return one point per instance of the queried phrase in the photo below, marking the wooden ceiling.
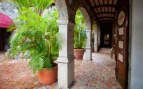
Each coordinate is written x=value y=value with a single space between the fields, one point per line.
x=104 y=9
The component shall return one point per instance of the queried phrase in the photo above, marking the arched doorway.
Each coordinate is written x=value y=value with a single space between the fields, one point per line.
x=5 y=23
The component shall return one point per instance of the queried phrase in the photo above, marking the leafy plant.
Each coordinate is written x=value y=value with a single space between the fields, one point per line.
x=37 y=5
x=79 y=31
x=37 y=36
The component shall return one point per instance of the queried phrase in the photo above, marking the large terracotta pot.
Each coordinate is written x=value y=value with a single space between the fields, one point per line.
x=47 y=76
x=78 y=53
x=92 y=49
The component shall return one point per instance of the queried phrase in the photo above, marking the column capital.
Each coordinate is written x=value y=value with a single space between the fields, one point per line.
x=62 y=22
x=64 y=60
x=88 y=29
x=65 y=22
x=71 y=23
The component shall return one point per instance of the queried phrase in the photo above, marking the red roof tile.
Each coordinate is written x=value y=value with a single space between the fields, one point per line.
x=5 y=21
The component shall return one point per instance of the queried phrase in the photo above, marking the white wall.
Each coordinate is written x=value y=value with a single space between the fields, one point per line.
x=136 y=45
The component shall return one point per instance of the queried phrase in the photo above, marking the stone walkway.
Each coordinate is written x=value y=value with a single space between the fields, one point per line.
x=98 y=74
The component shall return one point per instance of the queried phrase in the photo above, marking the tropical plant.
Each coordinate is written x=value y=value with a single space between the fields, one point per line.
x=37 y=5
x=79 y=31
x=36 y=35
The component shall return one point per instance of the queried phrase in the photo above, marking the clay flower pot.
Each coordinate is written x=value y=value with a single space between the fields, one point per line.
x=48 y=76
x=78 y=53
x=92 y=49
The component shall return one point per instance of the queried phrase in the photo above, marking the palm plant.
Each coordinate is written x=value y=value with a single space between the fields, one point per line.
x=36 y=34
x=79 y=31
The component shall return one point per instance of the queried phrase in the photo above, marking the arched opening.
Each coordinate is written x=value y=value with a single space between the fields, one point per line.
x=86 y=17
x=4 y=37
x=106 y=34
x=5 y=23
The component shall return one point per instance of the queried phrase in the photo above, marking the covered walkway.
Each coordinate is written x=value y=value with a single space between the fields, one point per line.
x=98 y=74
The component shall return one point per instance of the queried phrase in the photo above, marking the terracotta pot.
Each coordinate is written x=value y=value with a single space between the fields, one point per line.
x=78 y=53
x=47 y=76
x=92 y=49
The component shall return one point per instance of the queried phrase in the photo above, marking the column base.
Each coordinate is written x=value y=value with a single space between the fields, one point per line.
x=87 y=55
x=65 y=74
x=95 y=47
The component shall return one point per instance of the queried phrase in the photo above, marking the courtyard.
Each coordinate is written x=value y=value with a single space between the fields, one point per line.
x=96 y=74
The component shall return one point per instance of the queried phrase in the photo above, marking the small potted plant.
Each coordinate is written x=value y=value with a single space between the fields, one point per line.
x=79 y=36
x=37 y=38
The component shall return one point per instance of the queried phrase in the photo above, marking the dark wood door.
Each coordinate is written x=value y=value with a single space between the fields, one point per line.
x=1 y=40
x=4 y=37
x=122 y=53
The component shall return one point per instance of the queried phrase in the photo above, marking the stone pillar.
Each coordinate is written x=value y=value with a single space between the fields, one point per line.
x=98 y=35
x=96 y=40
x=87 y=54
x=66 y=58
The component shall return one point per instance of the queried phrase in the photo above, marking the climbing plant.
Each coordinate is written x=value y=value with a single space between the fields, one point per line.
x=79 y=31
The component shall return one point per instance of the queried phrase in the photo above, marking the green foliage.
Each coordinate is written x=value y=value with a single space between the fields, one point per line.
x=79 y=31
x=38 y=5
x=36 y=35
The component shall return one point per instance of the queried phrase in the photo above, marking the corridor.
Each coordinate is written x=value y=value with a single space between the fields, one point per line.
x=99 y=74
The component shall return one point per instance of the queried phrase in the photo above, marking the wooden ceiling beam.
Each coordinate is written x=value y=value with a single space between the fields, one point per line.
x=107 y=5
x=110 y=2
x=105 y=13
x=105 y=17
x=104 y=9
x=106 y=21
x=92 y=2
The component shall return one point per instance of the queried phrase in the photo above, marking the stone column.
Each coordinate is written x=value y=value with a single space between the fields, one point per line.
x=98 y=35
x=66 y=59
x=87 y=54
x=96 y=40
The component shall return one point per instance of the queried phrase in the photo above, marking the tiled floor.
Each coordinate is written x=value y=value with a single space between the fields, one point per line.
x=98 y=74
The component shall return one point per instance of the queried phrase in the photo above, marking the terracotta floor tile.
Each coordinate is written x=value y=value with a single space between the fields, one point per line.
x=98 y=74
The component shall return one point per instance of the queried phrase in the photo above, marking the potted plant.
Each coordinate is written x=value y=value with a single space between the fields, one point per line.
x=37 y=38
x=79 y=36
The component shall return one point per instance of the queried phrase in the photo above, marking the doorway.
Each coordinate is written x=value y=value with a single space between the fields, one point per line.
x=4 y=39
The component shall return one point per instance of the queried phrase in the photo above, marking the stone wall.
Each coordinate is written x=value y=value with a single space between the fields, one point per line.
x=8 y=9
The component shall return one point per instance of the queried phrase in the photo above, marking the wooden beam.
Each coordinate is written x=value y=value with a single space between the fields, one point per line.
x=92 y=2
x=105 y=17
x=110 y=1
x=106 y=13
x=107 y=5
x=106 y=21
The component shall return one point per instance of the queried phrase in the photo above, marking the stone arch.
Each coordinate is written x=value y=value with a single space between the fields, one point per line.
x=66 y=59
x=96 y=35
x=86 y=17
x=66 y=22
x=61 y=6
x=84 y=11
